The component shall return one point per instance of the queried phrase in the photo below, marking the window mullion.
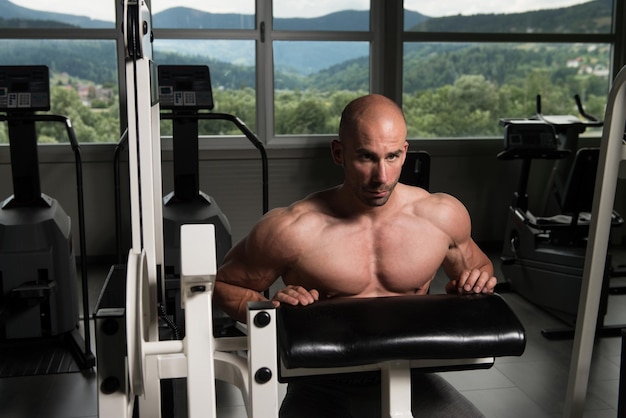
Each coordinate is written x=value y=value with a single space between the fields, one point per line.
x=264 y=72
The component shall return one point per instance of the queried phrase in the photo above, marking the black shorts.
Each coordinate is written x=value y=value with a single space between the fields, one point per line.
x=357 y=395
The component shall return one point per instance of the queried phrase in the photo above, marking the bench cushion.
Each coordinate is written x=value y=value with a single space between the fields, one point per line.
x=357 y=331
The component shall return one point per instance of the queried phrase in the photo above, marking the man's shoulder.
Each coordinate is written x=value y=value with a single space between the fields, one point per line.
x=305 y=213
x=438 y=207
x=417 y=195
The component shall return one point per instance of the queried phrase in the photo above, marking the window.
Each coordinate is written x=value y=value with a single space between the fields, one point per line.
x=206 y=14
x=311 y=46
x=459 y=78
x=288 y=68
x=223 y=36
x=233 y=78
x=544 y=17
x=77 y=42
x=58 y=14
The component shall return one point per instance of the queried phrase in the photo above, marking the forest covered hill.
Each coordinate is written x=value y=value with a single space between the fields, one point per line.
x=482 y=82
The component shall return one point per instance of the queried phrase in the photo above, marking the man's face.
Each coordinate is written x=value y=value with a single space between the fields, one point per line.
x=372 y=161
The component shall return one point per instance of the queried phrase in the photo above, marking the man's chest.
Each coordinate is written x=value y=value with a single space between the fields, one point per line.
x=370 y=261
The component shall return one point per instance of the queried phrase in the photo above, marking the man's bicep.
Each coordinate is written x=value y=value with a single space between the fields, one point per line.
x=247 y=270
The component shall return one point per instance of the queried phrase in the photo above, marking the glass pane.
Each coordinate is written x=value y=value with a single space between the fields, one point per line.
x=85 y=90
x=459 y=90
x=58 y=14
x=233 y=78
x=335 y=15
x=203 y=14
x=313 y=81
x=545 y=16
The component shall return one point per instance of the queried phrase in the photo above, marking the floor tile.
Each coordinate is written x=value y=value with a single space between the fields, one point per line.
x=532 y=385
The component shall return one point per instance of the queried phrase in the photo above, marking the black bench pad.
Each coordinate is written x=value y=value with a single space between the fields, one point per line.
x=359 y=331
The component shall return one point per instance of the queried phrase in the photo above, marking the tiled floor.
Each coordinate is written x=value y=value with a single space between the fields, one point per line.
x=533 y=385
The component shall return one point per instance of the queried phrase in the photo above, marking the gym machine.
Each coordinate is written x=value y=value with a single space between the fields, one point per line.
x=135 y=360
x=543 y=256
x=185 y=97
x=38 y=279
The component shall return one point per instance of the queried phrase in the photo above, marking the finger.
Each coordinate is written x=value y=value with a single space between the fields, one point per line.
x=491 y=285
x=468 y=280
x=303 y=295
x=286 y=295
x=481 y=282
x=462 y=280
x=295 y=295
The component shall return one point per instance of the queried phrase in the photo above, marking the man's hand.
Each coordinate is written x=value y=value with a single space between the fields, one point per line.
x=472 y=281
x=295 y=295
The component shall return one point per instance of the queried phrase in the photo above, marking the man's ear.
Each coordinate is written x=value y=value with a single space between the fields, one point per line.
x=336 y=148
x=406 y=149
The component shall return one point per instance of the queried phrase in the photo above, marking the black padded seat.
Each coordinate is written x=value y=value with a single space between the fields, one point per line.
x=359 y=331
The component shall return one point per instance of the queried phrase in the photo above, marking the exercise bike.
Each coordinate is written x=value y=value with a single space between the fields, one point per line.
x=543 y=256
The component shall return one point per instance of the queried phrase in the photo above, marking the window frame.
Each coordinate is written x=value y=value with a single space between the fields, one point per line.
x=386 y=37
x=616 y=38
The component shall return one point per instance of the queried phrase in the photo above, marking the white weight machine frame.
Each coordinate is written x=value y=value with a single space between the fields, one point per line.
x=131 y=359
x=199 y=358
x=612 y=153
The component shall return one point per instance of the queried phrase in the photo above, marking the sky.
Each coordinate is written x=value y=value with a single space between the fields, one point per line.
x=103 y=9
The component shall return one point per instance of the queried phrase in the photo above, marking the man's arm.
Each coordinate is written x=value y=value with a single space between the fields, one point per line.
x=256 y=262
x=235 y=285
x=250 y=267
x=469 y=268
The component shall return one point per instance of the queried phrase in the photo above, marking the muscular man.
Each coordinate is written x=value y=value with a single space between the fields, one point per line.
x=370 y=236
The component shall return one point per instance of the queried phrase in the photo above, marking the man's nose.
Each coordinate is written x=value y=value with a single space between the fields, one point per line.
x=380 y=172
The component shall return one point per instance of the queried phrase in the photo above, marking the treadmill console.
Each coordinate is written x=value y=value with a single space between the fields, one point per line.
x=529 y=134
x=185 y=87
x=24 y=88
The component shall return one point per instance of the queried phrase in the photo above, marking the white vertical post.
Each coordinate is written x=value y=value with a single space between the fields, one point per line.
x=396 y=389
x=144 y=167
x=198 y=269
x=262 y=360
x=612 y=151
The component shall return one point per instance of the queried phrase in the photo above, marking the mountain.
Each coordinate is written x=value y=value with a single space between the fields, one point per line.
x=302 y=57
x=10 y=11
x=345 y=20
x=298 y=64
x=184 y=17
x=590 y=17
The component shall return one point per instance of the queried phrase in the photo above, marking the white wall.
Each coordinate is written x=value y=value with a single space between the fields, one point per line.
x=468 y=170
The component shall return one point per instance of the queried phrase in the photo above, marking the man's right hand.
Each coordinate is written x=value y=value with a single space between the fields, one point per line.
x=295 y=295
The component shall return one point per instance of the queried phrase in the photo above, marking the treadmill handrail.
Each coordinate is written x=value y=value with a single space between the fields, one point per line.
x=89 y=357
x=246 y=131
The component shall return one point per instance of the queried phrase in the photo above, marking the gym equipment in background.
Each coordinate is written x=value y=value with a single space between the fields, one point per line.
x=39 y=319
x=416 y=169
x=185 y=98
x=543 y=257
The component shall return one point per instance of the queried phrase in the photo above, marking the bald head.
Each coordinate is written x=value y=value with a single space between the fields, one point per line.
x=365 y=109
x=371 y=149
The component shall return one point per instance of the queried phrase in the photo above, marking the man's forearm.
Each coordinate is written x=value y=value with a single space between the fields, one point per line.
x=233 y=300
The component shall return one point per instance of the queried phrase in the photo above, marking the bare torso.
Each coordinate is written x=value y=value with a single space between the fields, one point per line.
x=398 y=252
